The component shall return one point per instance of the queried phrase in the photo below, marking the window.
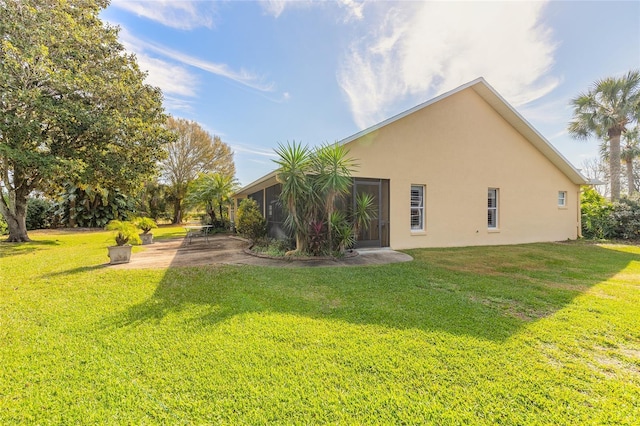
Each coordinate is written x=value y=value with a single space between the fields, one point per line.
x=492 y=208
x=417 y=207
x=562 y=198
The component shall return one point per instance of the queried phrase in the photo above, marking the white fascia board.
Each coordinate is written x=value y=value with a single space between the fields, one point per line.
x=500 y=105
x=257 y=182
x=513 y=117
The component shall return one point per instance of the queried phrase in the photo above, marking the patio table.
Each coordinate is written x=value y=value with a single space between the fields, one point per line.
x=194 y=231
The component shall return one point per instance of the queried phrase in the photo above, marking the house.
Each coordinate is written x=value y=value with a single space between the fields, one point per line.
x=461 y=169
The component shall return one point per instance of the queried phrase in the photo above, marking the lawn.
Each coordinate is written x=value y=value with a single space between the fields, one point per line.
x=529 y=334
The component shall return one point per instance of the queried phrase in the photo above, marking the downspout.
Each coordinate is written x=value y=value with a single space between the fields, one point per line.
x=579 y=212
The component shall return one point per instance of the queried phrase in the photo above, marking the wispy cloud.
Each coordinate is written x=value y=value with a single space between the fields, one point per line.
x=171 y=78
x=173 y=103
x=175 y=78
x=561 y=134
x=175 y=81
x=351 y=10
x=251 y=149
x=549 y=112
x=180 y=14
x=418 y=50
x=241 y=76
x=274 y=7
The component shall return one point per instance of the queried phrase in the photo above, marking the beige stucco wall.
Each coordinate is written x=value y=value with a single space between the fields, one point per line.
x=459 y=147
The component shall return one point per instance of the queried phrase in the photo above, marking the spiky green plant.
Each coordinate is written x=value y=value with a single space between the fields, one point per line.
x=344 y=236
x=332 y=174
x=364 y=212
x=294 y=161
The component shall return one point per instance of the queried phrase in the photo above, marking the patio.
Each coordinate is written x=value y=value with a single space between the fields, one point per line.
x=230 y=250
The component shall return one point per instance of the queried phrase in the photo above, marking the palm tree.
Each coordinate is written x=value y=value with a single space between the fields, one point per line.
x=630 y=152
x=604 y=112
x=294 y=163
x=212 y=190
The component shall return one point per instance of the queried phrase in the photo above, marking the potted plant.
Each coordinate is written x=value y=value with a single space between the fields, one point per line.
x=125 y=232
x=146 y=224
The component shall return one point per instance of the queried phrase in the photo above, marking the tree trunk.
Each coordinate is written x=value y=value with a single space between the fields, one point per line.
x=177 y=211
x=630 y=180
x=15 y=213
x=614 y=163
x=72 y=213
x=212 y=212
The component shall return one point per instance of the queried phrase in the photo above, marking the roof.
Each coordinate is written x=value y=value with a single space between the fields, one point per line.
x=499 y=104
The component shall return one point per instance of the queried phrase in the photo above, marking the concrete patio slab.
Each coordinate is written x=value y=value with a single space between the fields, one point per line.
x=229 y=250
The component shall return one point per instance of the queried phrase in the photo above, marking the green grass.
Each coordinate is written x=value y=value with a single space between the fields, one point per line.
x=530 y=334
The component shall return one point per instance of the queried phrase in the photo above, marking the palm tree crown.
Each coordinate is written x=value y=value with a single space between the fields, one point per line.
x=605 y=111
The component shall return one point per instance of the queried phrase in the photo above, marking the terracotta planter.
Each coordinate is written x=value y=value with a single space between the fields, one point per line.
x=146 y=238
x=119 y=254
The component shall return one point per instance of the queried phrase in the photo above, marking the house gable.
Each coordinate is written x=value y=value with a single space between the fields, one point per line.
x=502 y=107
x=457 y=150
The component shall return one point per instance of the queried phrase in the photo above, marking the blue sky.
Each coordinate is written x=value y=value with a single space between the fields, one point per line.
x=262 y=73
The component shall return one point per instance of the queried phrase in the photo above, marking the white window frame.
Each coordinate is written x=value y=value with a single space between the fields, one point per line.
x=493 y=208
x=562 y=199
x=417 y=205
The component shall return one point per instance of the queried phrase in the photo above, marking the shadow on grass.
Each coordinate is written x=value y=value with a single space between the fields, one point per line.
x=74 y=271
x=484 y=292
x=13 y=249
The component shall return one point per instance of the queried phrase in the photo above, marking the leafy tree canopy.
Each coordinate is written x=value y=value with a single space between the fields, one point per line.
x=73 y=104
x=192 y=152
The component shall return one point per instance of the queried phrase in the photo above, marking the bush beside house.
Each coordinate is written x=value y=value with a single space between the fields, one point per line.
x=602 y=219
x=249 y=220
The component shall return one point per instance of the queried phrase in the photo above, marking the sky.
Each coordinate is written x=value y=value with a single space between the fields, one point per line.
x=262 y=73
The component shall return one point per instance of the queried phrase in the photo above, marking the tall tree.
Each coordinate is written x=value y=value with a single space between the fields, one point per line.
x=192 y=152
x=630 y=152
x=605 y=111
x=73 y=104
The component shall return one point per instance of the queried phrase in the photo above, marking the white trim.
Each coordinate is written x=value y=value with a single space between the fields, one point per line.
x=495 y=209
x=420 y=207
x=501 y=106
x=562 y=205
x=506 y=111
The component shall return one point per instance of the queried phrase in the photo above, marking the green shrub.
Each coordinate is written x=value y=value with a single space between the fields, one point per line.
x=602 y=219
x=39 y=213
x=249 y=220
x=273 y=247
x=92 y=207
x=597 y=221
x=625 y=216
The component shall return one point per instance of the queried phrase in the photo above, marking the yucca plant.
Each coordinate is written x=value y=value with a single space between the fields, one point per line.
x=332 y=170
x=364 y=212
x=343 y=235
x=294 y=161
